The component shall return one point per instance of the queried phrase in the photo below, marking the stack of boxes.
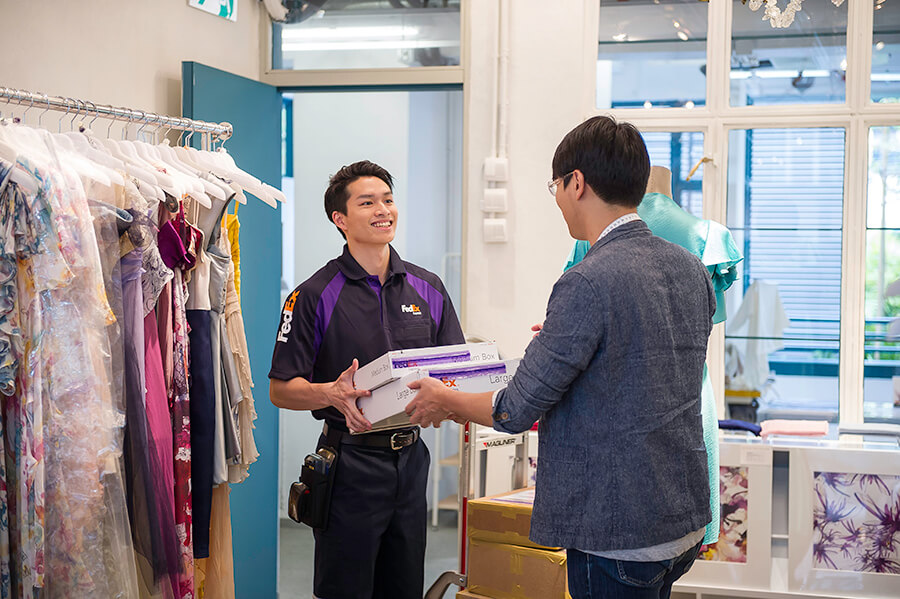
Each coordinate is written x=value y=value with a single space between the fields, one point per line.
x=472 y=368
x=503 y=562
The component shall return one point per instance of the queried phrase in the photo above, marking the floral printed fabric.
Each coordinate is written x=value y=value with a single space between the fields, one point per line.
x=856 y=522
x=181 y=421
x=734 y=486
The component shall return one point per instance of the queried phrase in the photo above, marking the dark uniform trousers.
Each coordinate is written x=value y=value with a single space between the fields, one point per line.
x=374 y=544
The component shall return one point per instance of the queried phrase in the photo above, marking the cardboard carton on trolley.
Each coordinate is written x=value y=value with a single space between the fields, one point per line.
x=385 y=408
x=505 y=571
x=395 y=364
x=504 y=518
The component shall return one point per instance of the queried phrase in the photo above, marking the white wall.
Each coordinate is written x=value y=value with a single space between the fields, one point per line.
x=507 y=285
x=333 y=129
x=122 y=53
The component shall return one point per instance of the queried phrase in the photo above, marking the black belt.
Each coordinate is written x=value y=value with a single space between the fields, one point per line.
x=396 y=441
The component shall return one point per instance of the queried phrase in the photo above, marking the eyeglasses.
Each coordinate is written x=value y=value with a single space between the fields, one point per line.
x=552 y=184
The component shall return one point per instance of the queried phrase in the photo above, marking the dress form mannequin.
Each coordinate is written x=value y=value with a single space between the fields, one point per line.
x=660 y=181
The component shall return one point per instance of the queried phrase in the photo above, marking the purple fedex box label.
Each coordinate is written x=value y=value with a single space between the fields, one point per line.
x=468 y=372
x=421 y=361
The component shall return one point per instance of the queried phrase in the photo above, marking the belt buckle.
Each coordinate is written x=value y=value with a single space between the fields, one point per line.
x=401 y=440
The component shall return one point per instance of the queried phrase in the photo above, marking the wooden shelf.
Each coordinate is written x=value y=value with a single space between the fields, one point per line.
x=451 y=502
x=452 y=460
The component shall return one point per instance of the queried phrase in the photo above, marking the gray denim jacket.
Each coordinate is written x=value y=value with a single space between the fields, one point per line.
x=615 y=378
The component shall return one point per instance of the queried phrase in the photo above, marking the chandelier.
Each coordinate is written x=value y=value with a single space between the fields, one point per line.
x=775 y=16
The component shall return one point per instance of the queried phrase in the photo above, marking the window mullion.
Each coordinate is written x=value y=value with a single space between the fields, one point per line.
x=718 y=56
x=859 y=54
x=853 y=273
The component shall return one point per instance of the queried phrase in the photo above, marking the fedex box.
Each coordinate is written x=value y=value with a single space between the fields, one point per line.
x=385 y=408
x=395 y=364
x=476 y=377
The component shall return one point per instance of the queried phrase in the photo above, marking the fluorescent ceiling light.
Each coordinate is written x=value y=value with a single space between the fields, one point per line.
x=349 y=33
x=364 y=45
x=775 y=74
x=779 y=73
x=885 y=76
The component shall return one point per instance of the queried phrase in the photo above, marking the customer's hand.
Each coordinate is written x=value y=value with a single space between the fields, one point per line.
x=426 y=408
x=343 y=395
x=537 y=329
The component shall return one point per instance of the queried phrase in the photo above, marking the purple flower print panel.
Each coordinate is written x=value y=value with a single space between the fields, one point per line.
x=856 y=522
x=734 y=488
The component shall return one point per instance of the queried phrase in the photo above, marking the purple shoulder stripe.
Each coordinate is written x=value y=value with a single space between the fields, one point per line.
x=325 y=308
x=432 y=296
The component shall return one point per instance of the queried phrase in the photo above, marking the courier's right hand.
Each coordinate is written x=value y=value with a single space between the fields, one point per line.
x=342 y=395
x=537 y=329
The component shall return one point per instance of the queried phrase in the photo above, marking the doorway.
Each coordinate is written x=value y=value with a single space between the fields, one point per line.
x=416 y=134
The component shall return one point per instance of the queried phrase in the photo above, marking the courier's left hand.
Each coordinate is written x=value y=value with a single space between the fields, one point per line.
x=427 y=408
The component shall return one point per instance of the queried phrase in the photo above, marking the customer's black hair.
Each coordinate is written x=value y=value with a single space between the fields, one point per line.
x=612 y=156
x=336 y=195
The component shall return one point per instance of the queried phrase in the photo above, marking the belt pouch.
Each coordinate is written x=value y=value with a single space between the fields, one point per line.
x=310 y=498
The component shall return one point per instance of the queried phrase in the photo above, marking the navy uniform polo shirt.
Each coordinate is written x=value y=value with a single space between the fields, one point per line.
x=342 y=312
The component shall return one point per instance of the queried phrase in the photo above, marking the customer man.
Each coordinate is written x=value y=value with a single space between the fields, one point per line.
x=615 y=378
x=357 y=307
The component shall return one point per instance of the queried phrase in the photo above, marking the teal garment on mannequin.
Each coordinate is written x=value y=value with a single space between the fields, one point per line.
x=714 y=245
x=706 y=239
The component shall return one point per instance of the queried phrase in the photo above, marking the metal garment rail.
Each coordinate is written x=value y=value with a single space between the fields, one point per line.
x=211 y=131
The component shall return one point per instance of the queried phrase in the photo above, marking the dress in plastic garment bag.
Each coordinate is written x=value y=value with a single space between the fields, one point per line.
x=72 y=535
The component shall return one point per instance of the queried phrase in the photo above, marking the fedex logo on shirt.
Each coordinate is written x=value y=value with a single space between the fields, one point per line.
x=411 y=309
x=287 y=315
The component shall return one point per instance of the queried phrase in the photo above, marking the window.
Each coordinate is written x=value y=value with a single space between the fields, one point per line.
x=882 y=329
x=786 y=128
x=785 y=209
x=679 y=152
x=651 y=55
x=364 y=34
x=803 y=63
x=886 y=53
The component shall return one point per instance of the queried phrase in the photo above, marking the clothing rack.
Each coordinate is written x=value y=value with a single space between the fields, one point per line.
x=210 y=132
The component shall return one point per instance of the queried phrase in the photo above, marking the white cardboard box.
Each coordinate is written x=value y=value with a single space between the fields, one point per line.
x=395 y=364
x=476 y=377
x=385 y=408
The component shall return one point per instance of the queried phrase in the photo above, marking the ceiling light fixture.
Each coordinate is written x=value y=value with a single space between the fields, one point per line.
x=330 y=34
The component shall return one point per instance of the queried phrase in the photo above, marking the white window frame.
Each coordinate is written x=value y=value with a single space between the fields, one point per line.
x=717 y=118
x=337 y=78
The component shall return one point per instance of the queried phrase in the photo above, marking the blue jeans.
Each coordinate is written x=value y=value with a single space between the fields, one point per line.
x=594 y=577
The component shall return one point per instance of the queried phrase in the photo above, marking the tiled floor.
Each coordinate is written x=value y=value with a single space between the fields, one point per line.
x=296 y=565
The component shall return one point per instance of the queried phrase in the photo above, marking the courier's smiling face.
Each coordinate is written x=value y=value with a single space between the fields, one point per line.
x=371 y=213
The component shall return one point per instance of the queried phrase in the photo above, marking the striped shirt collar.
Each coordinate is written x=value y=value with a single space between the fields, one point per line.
x=631 y=216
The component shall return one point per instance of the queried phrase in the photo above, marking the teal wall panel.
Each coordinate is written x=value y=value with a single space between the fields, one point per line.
x=254 y=109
